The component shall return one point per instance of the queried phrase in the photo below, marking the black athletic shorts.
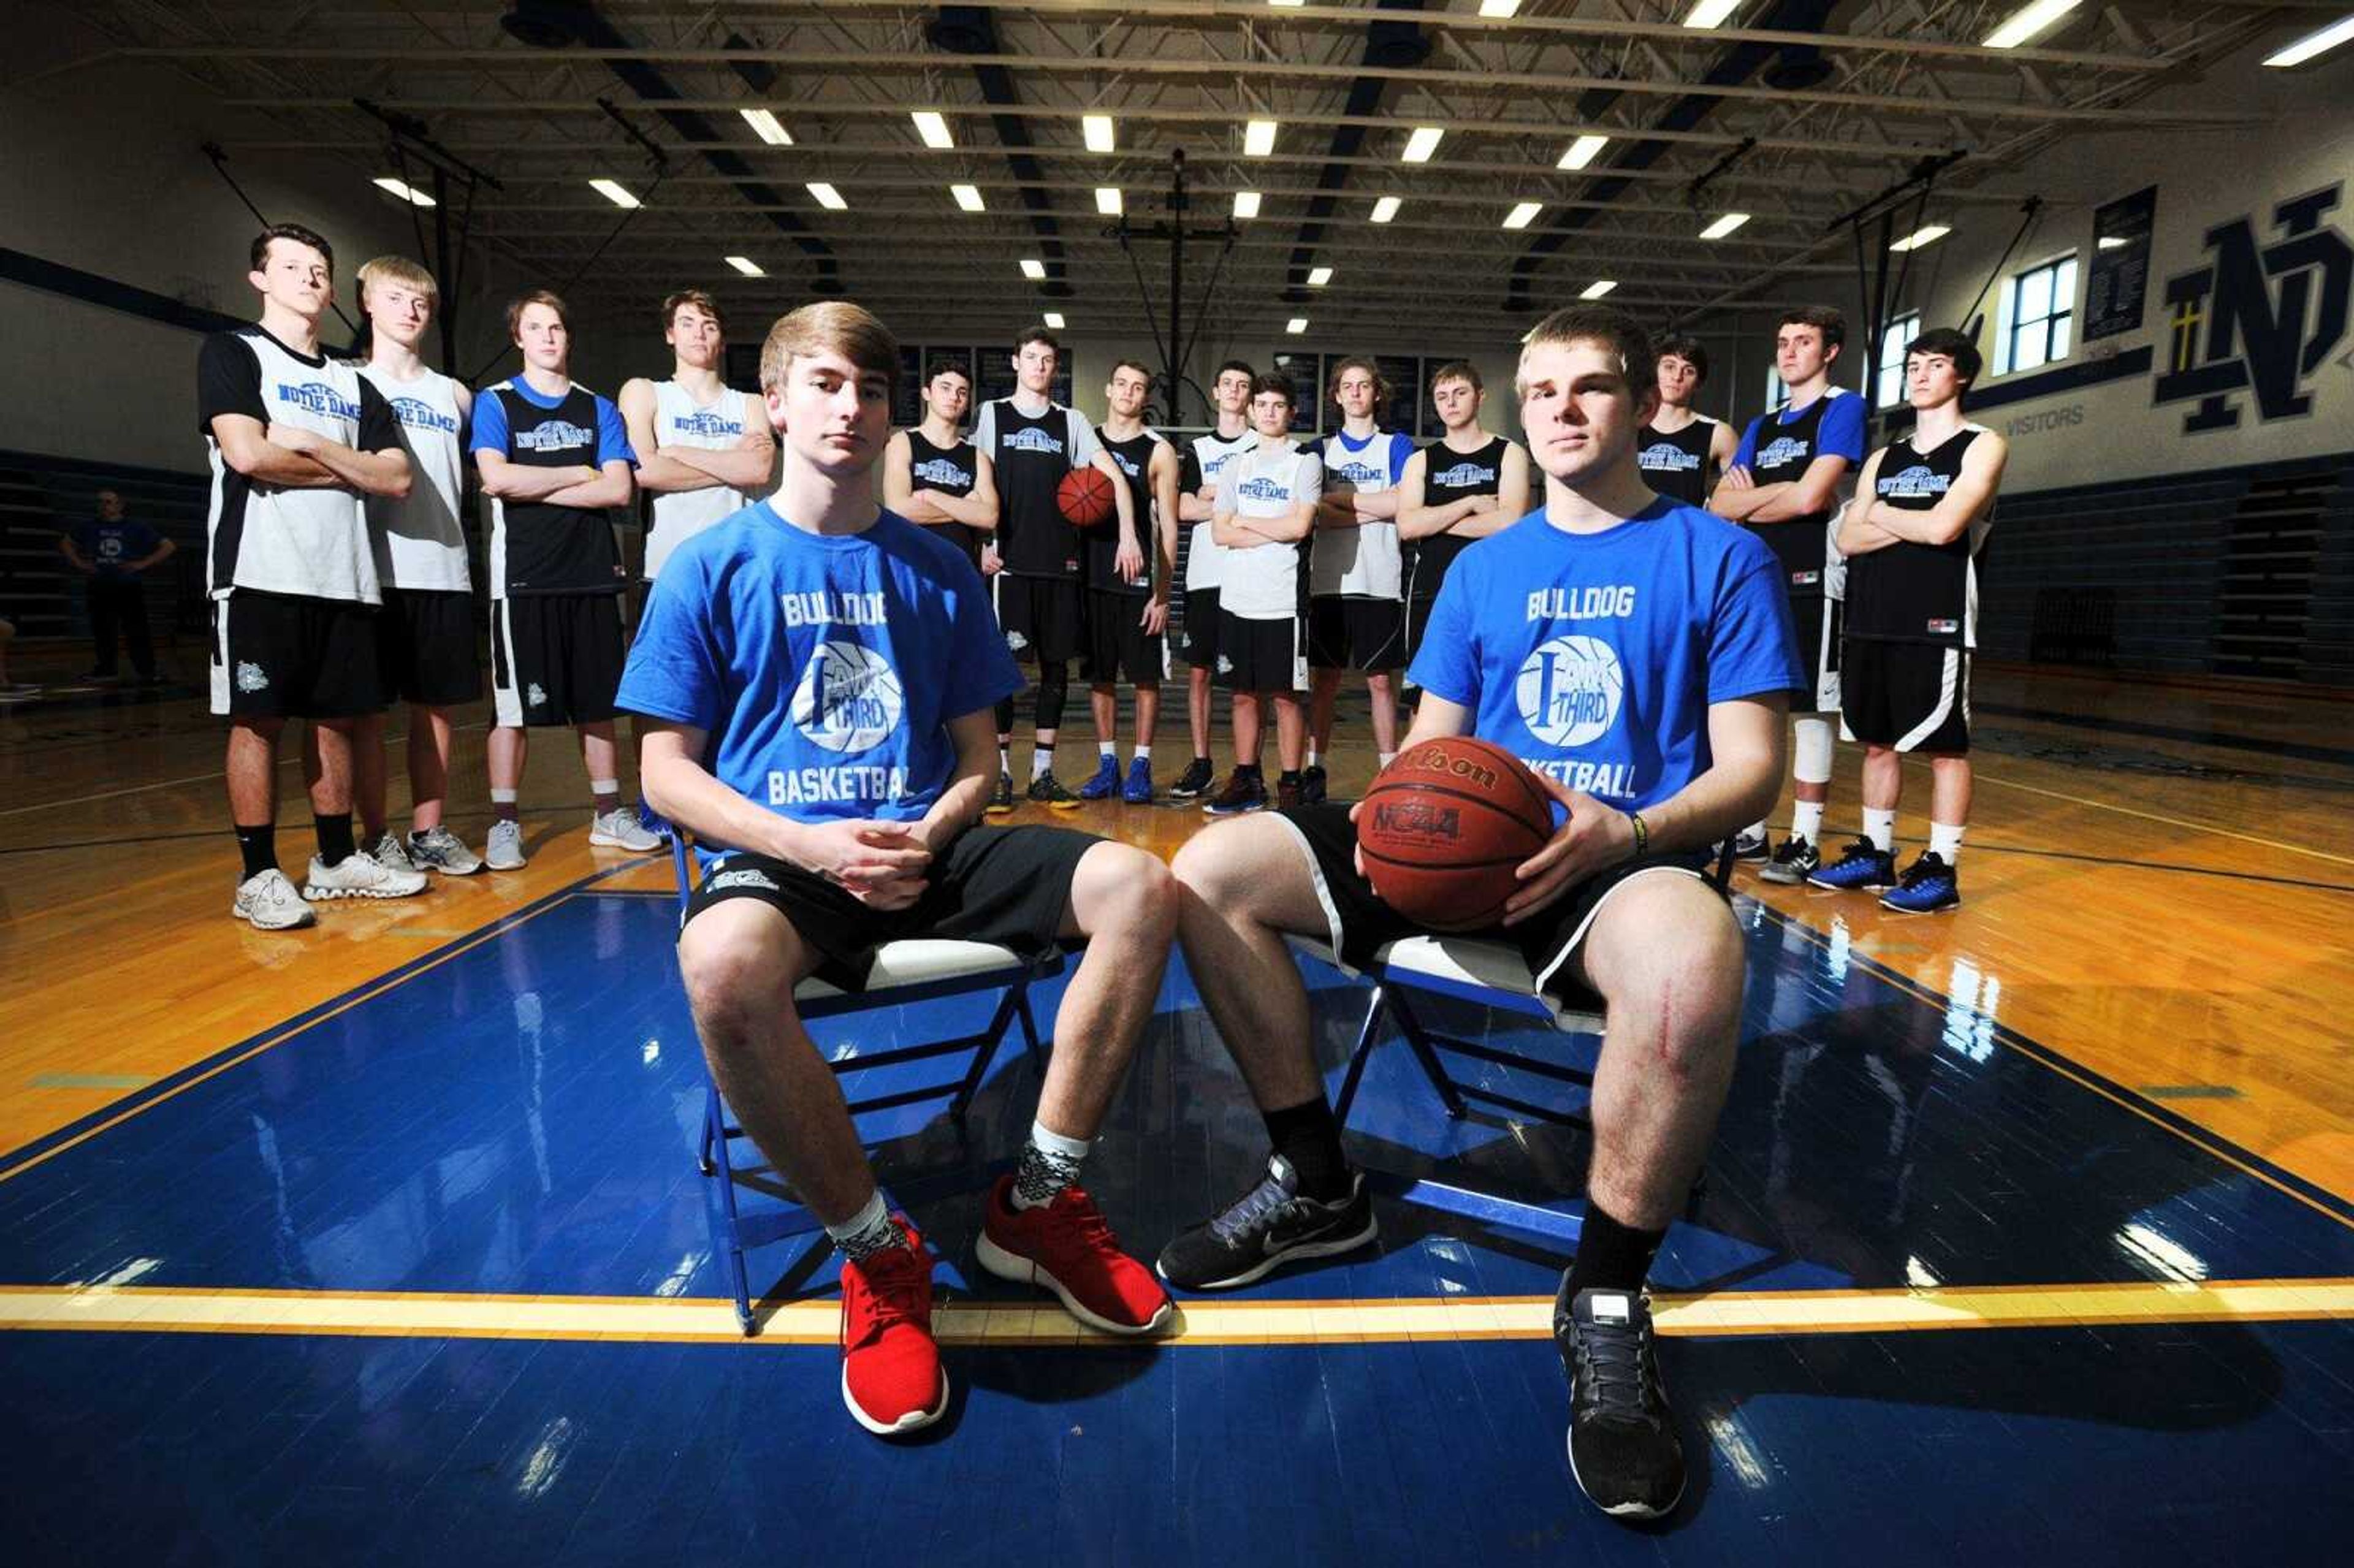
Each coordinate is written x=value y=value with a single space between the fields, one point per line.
x=1007 y=886
x=1912 y=697
x=1362 y=923
x=426 y=651
x=1262 y=655
x=277 y=655
x=1417 y=621
x=1345 y=632
x=555 y=658
x=1117 y=643
x=1817 y=620
x=1200 y=648
x=1043 y=617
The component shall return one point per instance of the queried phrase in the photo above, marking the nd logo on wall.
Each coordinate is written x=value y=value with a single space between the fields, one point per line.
x=2271 y=316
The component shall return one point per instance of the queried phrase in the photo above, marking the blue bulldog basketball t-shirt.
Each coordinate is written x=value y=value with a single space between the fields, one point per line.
x=1594 y=657
x=826 y=667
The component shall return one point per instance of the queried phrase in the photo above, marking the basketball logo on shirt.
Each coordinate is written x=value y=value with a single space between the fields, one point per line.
x=1783 y=450
x=1666 y=457
x=1569 y=690
x=848 y=698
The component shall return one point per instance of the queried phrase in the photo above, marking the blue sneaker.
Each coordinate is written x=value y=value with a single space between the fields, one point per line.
x=1864 y=868
x=1929 y=886
x=1137 y=791
x=1106 y=782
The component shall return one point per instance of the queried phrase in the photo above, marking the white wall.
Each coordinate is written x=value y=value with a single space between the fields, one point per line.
x=2115 y=429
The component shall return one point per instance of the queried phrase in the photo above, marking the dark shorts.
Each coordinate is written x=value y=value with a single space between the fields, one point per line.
x=1117 y=643
x=1362 y=923
x=1348 y=633
x=1417 y=621
x=1200 y=648
x=1007 y=886
x=277 y=655
x=1262 y=655
x=1043 y=617
x=426 y=651
x=1912 y=696
x=1817 y=620
x=555 y=658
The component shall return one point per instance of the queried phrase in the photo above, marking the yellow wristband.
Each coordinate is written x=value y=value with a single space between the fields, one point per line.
x=1642 y=834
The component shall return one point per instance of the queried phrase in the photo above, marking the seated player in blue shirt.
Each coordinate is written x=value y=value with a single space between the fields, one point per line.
x=1638 y=655
x=820 y=676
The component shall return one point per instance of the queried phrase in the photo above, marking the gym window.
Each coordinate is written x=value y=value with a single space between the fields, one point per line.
x=1777 y=397
x=1891 y=386
x=2039 y=316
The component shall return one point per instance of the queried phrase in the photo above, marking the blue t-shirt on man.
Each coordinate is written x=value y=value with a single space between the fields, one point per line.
x=112 y=547
x=826 y=667
x=1594 y=657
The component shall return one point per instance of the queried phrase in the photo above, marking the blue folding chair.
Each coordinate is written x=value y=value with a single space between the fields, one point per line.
x=922 y=970
x=1491 y=975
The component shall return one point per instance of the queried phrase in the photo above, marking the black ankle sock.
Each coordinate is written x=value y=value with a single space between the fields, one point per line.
x=334 y=837
x=1308 y=1138
x=1611 y=1256
x=260 y=848
x=1245 y=770
x=1288 y=776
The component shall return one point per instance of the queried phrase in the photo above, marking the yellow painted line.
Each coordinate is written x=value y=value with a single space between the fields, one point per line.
x=426 y=1315
x=2211 y=1143
x=1983 y=777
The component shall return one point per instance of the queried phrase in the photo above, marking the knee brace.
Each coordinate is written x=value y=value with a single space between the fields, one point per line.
x=1812 y=763
x=1054 y=685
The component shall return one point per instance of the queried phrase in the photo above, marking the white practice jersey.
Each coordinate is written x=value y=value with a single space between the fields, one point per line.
x=418 y=541
x=1263 y=581
x=1360 y=562
x=680 y=421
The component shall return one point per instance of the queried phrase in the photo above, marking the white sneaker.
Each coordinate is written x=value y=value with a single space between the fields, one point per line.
x=439 y=849
x=267 y=900
x=620 y=829
x=505 y=850
x=388 y=853
x=357 y=876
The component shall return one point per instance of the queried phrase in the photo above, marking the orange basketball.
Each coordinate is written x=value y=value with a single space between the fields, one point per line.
x=1085 y=496
x=1443 y=827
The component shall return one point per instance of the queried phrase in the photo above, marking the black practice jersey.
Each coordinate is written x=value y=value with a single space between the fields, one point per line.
x=1134 y=459
x=1675 y=463
x=1031 y=454
x=1449 y=475
x=951 y=470
x=1919 y=593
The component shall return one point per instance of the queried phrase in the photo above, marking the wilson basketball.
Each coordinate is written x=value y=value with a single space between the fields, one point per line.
x=1085 y=496
x=1443 y=827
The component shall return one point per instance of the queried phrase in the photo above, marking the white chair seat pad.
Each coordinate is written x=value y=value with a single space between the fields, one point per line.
x=923 y=960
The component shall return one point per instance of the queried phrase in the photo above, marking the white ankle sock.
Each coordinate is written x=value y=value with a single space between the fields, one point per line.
x=1049 y=1163
x=1946 y=841
x=1108 y=750
x=1041 y=762
x=1880 y=827
x=1144 y=754
x=1807 y=821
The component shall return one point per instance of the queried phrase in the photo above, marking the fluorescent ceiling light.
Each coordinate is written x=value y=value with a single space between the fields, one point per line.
x=613 y=192
x=967 y=196
x=1929 y=234
x=745 y=265
x=1286 y=5
x=1097 y=129
x=1108 y=200
x=1296 y=325
x=1713 y=12
x=1259 y=138
x=2111 y=242
x=765 y=124
x=933 y=127
x=403 y=190
x=1582 y=152
x=1034 y=269
x=1596 y=289
x=1386 y=210
x=1725 y=226
x=1522 y=216
x=2030 y=20
x=1422 y=143
x=1247 y=204
x=1319 y=276
x=827 y=196
x=2315 y=43
x=1498 y=8
x=1054 y=318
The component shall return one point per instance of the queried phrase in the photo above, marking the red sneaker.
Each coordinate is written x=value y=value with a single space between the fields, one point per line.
x=1066 y=1247
x=891 y=1376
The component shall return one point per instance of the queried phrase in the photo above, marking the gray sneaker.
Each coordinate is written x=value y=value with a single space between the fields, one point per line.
x=505 y=850
x=439 y=849
x=388 y=853
x=620 y=829
x=357 y=876
x=270 y=903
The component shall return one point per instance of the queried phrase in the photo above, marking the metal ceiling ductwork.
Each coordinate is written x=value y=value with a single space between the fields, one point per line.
x=556 y=23
x=969 y=30
x=1390 y=45
x=1796 y=65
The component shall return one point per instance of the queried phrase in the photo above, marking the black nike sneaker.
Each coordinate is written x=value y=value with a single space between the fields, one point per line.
x=1000 y=799
x=1623 y=1448
x=1266 y=1227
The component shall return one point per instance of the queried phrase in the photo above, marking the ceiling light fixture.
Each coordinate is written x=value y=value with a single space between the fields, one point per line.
x=2029 y=21
x=1582 y=152
x=1927 y=234
x=1034 y=269
x=1596 y=289
x=1422 y=143
x=764 y=124
x=2314 y=43
x=613 y=191
x=1259 y=138
x=1319 y=276
x=933 y=127
x=967 y=198
x=1247 y=204
x=745 y=265
x=1386 y=210
x=827 y=196
x=1725 y=226
x=1522 y=216
x=403 y=190
x=1097 y=129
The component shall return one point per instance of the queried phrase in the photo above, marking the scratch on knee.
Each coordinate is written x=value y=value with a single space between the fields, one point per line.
x=1671 y=1059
